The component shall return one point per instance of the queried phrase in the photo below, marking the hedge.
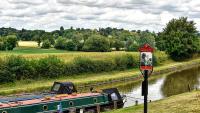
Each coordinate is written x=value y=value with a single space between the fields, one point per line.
x=14 y=68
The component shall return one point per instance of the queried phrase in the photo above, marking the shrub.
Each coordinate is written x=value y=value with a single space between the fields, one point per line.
x=97 y=43
x=11 y=42
x=19 y=67
x=70 y=46
x=118 y=44
x=49 y=67
x=124 y=62
x=5 y=75
x=16 y=68
x=2 y=46
x=133 y=47
x=46 y=44
x=60 y=43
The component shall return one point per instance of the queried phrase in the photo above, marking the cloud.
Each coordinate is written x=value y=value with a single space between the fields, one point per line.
x=127 y=14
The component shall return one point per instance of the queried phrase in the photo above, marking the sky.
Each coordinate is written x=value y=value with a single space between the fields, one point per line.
x=128 y=14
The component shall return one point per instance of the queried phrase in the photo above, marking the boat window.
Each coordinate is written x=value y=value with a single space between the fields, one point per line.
x=45 y=107
x=95 y=100
x=71 y=103
x=114 y=96
x=56 y=87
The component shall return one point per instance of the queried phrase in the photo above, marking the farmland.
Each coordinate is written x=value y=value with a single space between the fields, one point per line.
x=30 y=50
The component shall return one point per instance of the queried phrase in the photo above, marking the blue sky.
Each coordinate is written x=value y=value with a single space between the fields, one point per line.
x=127 y=14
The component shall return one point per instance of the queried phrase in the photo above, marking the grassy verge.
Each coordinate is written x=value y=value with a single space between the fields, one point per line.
x=182 y=103
x=44 y=84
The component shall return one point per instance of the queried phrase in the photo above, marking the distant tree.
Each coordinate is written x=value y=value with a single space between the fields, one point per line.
x=2 y=46
x=38 y=39
x=179 y=38
x=61 y=30
x=46 y=44
x=48 y=36
x=96 y=43
x=147 y=37
x=118 y=44
x=60 y=43
x=70 y=46
x=55 y=35
x=133 y=47
x=11 y=42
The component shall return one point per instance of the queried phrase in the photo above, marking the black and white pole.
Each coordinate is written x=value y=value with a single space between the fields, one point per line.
x=146 y=68
x=145 y=89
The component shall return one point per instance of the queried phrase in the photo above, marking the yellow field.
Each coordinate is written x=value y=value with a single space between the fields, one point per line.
x=27 y=44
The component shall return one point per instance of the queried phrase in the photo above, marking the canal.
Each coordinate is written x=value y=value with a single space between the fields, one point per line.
x=160 y=86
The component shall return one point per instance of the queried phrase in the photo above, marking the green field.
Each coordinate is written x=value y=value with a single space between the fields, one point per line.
x=182 y=103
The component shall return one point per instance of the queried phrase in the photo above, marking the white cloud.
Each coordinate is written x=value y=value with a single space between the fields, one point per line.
x=128 y=14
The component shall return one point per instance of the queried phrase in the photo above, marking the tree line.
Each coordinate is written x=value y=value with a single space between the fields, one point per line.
x=180 y=38
x=81 y=39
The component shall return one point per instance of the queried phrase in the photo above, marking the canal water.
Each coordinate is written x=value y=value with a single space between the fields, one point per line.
x=159 y=86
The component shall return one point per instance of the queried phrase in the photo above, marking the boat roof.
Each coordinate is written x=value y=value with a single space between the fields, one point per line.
x=22 y=101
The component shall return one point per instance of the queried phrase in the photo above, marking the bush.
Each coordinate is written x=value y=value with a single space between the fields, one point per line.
x=46 y=44
x=16 y=68
x=5 y=74
x=19 y=67
x=49 y=67
x=96 y=43
x=2 y=46
x=8 y=43
x=125 y=61
x=60 y=43
x=118 y=44
x=70 y=46
x=133 y=47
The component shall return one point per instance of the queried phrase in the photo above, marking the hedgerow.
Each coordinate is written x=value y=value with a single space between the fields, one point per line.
x=14 y=68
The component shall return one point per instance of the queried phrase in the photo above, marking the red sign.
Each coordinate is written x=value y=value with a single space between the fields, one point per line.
x=146 y=57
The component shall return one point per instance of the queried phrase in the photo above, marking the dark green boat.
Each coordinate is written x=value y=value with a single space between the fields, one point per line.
x=63 y=98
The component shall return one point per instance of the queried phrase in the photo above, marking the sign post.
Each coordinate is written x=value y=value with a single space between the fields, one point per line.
x=146 y=68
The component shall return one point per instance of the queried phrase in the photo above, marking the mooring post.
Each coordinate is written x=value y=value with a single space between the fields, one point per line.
x=189 y=88
x=145 y=90
x=115 y=104
x=136 y=102
x=98 y=108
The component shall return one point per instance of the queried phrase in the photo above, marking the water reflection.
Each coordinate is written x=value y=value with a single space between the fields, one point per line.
x=180 y=82
x=159 y=86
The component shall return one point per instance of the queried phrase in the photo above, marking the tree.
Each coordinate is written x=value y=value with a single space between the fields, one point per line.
x=133 y=47
x=147 y=37
x=70 y=46
x=62 y=30
x=179 y=38
x=60 y=43
x=38 y=39
x=46 y=44
x=118 y=44
x=11 y=42
x=96 y=43
x=48 y=36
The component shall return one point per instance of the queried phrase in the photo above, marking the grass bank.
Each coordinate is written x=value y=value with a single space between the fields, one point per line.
x=182 y=103
x=44 y=84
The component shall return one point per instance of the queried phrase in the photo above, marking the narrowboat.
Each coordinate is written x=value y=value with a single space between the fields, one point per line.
x=63 y=98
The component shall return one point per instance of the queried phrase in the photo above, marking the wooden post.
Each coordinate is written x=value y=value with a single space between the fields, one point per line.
x=189 y=88
x=115 y=104
x=136 y=102
x=98 y=108
x=72 y=110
